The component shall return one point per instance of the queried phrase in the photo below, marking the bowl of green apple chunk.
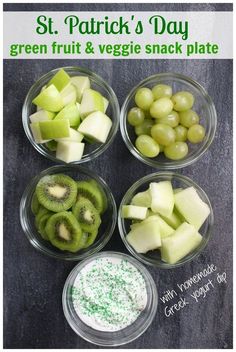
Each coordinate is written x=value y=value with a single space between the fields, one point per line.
x=168 y=121
x=70 y=115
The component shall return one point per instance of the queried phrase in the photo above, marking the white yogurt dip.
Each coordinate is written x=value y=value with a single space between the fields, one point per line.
x=109 y=294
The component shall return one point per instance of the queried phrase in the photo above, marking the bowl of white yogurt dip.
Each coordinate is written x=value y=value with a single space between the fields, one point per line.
x=109 y=299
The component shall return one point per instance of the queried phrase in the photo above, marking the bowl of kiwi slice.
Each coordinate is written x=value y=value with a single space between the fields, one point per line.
x=68 y=212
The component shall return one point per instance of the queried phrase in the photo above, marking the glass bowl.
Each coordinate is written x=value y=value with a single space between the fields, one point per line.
x=178 y=181
x=91 y=151
x=27 y=218
x=111 y=338
x=203 y=105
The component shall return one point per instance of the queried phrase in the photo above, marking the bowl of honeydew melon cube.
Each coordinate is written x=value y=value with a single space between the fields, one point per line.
x=68 y=212
x=168 y=121
x=165 y=219
x=70 y=115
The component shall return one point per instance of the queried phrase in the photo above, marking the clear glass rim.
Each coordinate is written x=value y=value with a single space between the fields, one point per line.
x=121 y=224
x=65 y=255
x=173 y=164
x=115 y=107
x=101 y=336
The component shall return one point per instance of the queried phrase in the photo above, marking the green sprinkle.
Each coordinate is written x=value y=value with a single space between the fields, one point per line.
x=109 y=294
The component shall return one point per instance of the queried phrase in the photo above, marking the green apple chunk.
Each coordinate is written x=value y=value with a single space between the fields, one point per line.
x=80 y=83
x=74 y=136
x=60 y=79
x=49 y=99
x=96 y=126
x=165 y=229
x=69 y=151
x=142 y=199
x=145 y=237
x=91 y=101
x=182 y=242
x=162 y=197
x=41 y=115
x=54 y=129
x=36 y=132
x=134 y=212
x=38 y=108
x=52 y=145
x=173 y=220
x=105 y=103
x=192 y=207
x=69 y=112
x=68 y=95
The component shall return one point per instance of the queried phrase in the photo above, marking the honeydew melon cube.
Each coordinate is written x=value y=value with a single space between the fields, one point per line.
x=74 y=136
x=54 y=129
x=96 y=126
x=162 y=197
x=142 y=199
x=177 y=190
x=49 y=99
x=182 y=242
x=68 y=95
x=192 y=207
x=80 y=83
x=173 y=220
x=165 y=229
x=60 y=79
x=145 y=237
x=69 y=112
x=134 y=212
x=35 y=129
x=41 y=115
x=69 y=151
x=91 y=101
x=105 y=103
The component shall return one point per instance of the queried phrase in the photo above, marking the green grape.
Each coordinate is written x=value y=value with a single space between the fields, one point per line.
x=163 y=134
x=147 y=146
x=144 y=127
x=188 y=118
x=135 y=116
x=144 y=98
x=172 y=119
x=147 y=114
x=180 y=133
x=161 y=90
x=196 y=134
x=161 y=147
x=182 y=101
x=161 y=107
x=176 y=151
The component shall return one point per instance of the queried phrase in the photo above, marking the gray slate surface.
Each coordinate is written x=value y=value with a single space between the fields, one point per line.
x=33 y=283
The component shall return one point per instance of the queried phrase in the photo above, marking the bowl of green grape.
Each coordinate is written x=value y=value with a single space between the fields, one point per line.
x=168 y=121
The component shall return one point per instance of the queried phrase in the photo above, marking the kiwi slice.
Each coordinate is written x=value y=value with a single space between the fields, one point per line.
x=42 y=211
x=91 y=236
x=86 y=214
x=88 y=190
x=56 y=192
x=84 y=239
x=35 y=205
x=42 y=224
x=103 y=194
x=64 y=231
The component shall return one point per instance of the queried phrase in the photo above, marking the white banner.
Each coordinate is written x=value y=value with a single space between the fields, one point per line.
x=115 y=35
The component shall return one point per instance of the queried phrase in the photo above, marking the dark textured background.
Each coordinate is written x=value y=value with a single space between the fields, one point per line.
x=33 y=283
